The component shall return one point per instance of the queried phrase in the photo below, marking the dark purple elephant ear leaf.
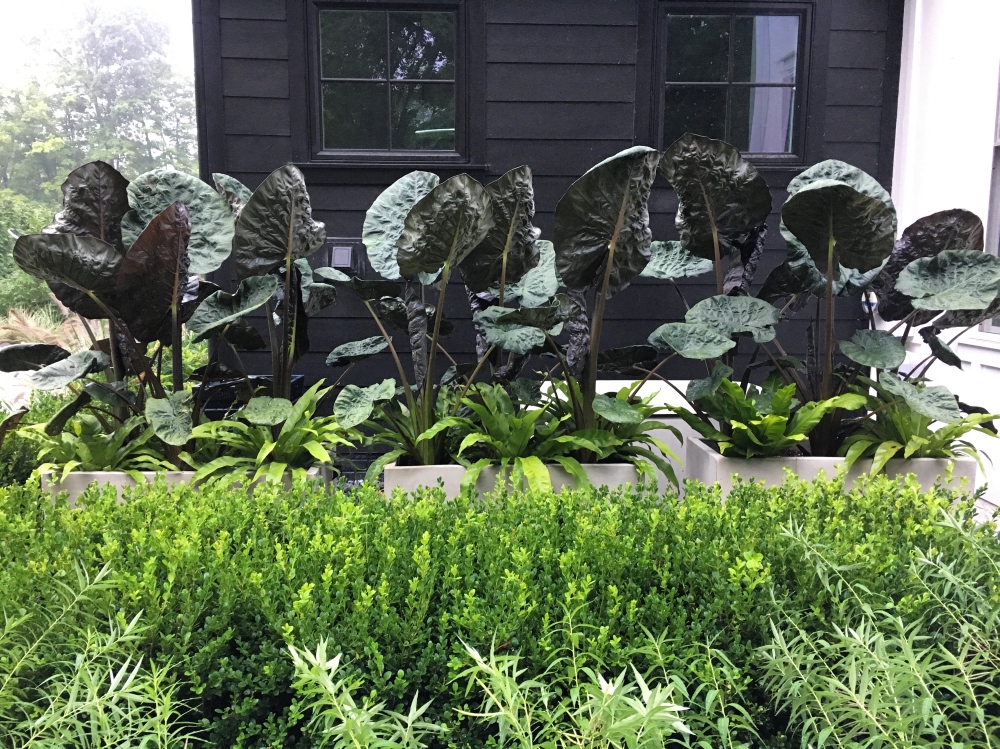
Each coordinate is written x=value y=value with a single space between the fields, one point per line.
x=954 y=229
x=154 y=275
x=95 y=198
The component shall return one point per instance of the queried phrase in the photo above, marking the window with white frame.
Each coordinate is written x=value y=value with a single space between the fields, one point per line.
x=993 y=218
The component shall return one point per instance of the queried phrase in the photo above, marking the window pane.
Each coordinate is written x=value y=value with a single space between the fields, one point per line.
x=423 y=45
x=761 y=118
x=423 y=116
x=694 y=109
x=353 y=43
x=355 y=115
x=697 y=48
x=765 y=49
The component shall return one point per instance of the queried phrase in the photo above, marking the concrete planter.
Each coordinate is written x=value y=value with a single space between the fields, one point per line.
x=409 y=478
x=77 y=481
x=708 y=466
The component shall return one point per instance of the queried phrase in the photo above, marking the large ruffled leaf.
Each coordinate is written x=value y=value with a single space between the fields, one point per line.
x=616 y=411
x=966 y=318
x=266 y=411
x=171 y=417
x=316 y=295
x=539 y=284
x=80 y=266
x=508 y=249
x=22 y=357
x=605 y=208
x=243 y=335
x=698 y=389
x=355 y=404
x=515 y=338
x=951 y=280
x=355 y=351
x=153 y=276
x=690 y=340
x=384 y=220
x=212 y=224
x=954 y=229
x=95 y=198
x=625 y=359
x=72 y=368
x=444 y=226
x=222 y=309
x=718 y=193
x=669 y=260
x=840 y=226
x=544 y=318
x=935 y=402
x=369 y=291
x=276 y=226
x=732 y=315
x=940 y=349
x=235 y=192
x=874 y=348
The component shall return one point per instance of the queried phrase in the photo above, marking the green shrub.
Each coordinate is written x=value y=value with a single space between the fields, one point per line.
x=226 y=582
x=18 y=454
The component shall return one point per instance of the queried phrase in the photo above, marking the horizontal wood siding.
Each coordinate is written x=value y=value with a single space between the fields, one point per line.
x=560 y=95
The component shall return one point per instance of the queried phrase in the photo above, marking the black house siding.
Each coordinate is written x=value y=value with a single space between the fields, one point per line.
x=565 y=83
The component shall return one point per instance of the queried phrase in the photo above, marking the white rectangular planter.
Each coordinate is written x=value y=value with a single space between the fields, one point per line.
x=77 y=481
x=708 y=466
x=410 y=478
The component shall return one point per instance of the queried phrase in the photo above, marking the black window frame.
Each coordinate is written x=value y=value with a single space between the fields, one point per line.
x=657 y=82
x=469 y=114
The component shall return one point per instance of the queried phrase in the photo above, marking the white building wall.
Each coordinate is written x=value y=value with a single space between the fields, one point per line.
x=945 y=135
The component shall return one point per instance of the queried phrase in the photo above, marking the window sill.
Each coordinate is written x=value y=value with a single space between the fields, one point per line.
x=332 y=171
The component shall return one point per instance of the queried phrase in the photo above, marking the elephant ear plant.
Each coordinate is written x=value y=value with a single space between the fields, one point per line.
x=127 y=255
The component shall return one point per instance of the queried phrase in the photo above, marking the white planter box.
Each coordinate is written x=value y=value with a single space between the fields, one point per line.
x=77 y=481
x=708 y=466
x=409 y=478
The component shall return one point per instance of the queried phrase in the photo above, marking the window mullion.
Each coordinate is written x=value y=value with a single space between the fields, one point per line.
x=729 y=77
x=388 y=77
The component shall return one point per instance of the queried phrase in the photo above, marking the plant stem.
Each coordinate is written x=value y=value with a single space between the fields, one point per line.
x=578 y=414
x=395 y=357
x=287 y=326
x=428 y=396
x=506 y=250
x=471 y=379
x=649 y=374
x=720 y=282
x=828 y=342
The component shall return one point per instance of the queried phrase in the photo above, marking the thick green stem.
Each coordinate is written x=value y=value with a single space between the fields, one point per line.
x=407 y=391
x=427 y=450
x=506 y=250
x=828 y=342
x=471 y=379
x=288 y=325
x=177 y=352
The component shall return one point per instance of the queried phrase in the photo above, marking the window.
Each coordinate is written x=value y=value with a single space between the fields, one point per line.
x=387 y=80
x=732 y=77
x=993 y=217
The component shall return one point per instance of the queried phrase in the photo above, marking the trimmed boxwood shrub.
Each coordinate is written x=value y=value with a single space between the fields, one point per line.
x=226 y=580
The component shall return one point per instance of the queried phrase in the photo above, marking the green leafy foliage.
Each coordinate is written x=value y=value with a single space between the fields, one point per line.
x=261 y=444
x=227 y=579
x=758 y=422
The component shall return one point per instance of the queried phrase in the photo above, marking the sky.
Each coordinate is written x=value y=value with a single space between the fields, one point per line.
x=33 y=29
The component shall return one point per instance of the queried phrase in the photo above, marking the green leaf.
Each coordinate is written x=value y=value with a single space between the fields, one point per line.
x=153 y=276
x=211 y=219
x=243 y=335
x=697 y=389
x=384 y=220
x=512 y=235
x=732 y=315
x=170 y=417
x=690 y=341
x=95 y=199
x=543 y=318
x=606 y=207
x=718 y=193
x=444 y=227
x=266 y=411
x=235 y=193
x=222 y=309
x=63 y=372
x=874 y=348
x=517 y=339
x=669 y=260
x=539 y=284
x=939 y=348
x=355 y=404
x=74 y=266
x=58 y=422
x=316 y=295
x=355 y=351
x=955 y=229
x=952 y=280
x=883 y=454
x=616 y=411
x=535 y=473
x=369 y=291
x=625 y=359
x=839 y=224
x=935 y=402
x=276 y=226
x=20 y=357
